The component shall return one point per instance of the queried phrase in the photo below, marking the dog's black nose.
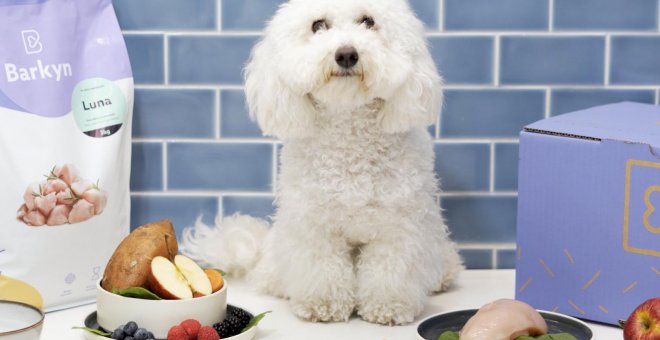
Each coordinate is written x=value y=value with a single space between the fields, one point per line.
x=346 y=57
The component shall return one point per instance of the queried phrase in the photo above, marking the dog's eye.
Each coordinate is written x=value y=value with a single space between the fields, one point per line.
x=367 y=21
x=319 y=25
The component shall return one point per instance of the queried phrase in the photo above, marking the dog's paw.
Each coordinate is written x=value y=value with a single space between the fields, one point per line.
x=388 y=313
x=323 y=310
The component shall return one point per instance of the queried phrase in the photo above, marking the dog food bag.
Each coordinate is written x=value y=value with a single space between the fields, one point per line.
x=66 y=99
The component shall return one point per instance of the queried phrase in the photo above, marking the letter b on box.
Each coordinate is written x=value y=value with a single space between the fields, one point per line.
x=641 y=216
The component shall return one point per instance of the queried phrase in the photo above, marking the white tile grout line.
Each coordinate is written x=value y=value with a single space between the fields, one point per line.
x=445 y=87
x=165 y=174
x=551 y=15
x=608 y=53
x=438 y=121
x=207 y=141
x=496 y=61
x=208 y=193
x=197 y=193
x=221 y=207
x=441 y=15
x=238 y=33
x=166 y=58
x=217 y=121
x=491 y=172
x=494 y=259
x=486 y=245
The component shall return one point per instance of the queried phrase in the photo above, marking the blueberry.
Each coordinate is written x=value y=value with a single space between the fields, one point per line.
x=151 y=335
x=118 y=334
x=130 y=328
x=141 y=334
x=129 y=338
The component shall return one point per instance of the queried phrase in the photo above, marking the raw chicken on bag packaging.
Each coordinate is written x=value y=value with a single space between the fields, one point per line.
x=66 y=101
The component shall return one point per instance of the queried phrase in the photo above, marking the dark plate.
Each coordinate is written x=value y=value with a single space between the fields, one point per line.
x=432 y=327
x=91 y=322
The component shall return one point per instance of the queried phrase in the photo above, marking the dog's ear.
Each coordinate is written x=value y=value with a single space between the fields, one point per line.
x=418 y=101
x=277 y=108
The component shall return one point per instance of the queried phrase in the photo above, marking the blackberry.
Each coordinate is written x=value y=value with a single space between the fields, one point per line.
x=230 y=327
x=243 y=316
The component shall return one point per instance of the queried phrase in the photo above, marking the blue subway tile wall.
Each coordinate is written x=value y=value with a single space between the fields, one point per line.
x=220 y=166
x=506 y=258
x=620 y=15
x=490 y=112
x=500 y=15
x=552 y=60
x=569 y=100
x=235 y=120
x=477 y=258
x=464 y=60
x=506 y=167
x=147 y=58
x=635 y=60
x=208 y=59
x=505 y=63
x=166 y=14
x=169 y=113
x=261 y=207
x=147 y=167
x=463 y=167
x=240 y=15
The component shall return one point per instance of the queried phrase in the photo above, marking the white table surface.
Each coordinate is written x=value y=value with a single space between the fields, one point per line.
x=473 y=289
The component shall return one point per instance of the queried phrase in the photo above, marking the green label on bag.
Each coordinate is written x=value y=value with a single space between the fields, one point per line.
x=99 y=107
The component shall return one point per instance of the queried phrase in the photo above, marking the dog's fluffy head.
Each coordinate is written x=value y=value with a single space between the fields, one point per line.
x=293 y=67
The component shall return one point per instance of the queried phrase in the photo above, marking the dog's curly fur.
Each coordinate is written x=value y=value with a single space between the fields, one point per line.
x=357 y=227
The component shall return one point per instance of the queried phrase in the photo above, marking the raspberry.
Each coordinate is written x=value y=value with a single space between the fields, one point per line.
x=192 y=327
x=177 y=333
x=207 y=333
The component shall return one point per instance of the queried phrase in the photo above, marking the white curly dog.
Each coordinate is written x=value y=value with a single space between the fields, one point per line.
x=350 y=87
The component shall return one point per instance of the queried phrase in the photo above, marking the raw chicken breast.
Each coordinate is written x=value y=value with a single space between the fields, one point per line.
x=504 y=319
x=97 y=197
x=31 y=192
x=34 y=218
x=79 y=187
x=59 y=215
x=65 y=197
x=68 y=173
x=45 y=203
x=81 y=211
x=22 y=211
x=55 y=185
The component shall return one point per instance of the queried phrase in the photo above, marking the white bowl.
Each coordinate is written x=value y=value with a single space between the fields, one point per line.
x=158 y=316
x=19 y=321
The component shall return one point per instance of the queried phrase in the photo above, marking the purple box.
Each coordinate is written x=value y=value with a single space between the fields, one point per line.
x=588 y=228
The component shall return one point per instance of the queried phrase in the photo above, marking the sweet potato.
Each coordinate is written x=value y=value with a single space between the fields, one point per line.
x=130 y=264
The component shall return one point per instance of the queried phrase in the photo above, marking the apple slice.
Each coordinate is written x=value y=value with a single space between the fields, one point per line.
x=166 y=281
x=193 y=273
x=216 y=279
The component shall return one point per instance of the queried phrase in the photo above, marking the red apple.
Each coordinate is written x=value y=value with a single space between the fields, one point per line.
x=197 y=280
x=644 y=322
x=166 y=281
x=183 y=279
